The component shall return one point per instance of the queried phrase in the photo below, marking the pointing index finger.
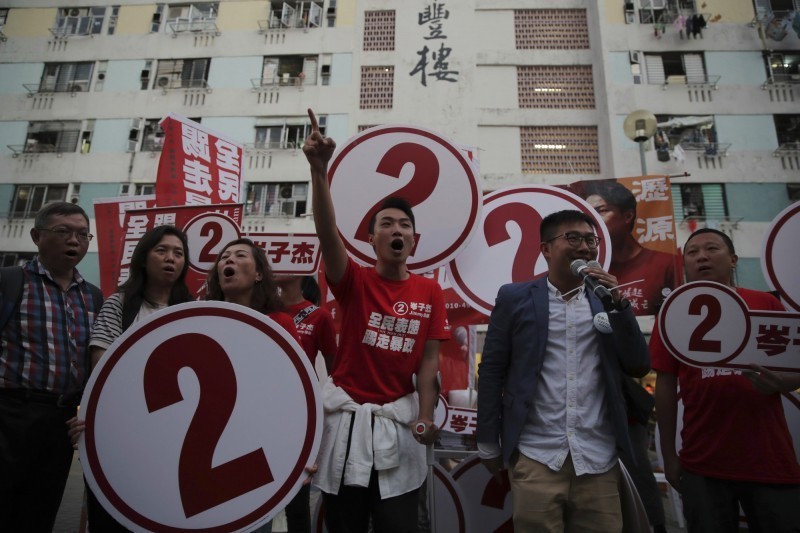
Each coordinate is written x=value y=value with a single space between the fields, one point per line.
x=313 y=117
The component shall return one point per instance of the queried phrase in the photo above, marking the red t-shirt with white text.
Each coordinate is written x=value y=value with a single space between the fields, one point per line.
x=385 y=325
x=730 y=430
x=316 y=330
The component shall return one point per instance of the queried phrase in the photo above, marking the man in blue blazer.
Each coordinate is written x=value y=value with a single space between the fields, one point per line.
x=550 y=402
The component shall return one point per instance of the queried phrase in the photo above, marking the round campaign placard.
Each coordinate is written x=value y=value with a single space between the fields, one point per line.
x=416 y=164
x=704 y=323
x=781 y=255
x=200 y=417
x=506 y=247
x=207 y=234
x=487 y=500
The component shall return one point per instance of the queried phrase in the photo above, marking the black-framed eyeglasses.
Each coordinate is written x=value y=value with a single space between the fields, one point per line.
x=574 y=239
x=64 y=234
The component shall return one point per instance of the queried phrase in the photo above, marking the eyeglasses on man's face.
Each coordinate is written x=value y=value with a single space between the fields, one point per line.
x=574 y=239
x=64 y=234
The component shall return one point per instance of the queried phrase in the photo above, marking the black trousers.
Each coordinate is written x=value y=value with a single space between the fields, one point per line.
x=350 y=510
x=298 y=512
x=35 y=458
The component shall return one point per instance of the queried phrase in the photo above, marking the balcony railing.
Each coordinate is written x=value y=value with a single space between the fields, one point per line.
x=788 y=149
x=166 y=83
x=61 y=87
x=705 y=81
x=204 y=26
x=271 y=145
x=285 y=80
x=32 y=148
x=276 y=22
x=709 y=149
x=782 y=79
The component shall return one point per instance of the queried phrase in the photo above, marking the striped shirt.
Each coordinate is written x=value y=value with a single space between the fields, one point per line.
x=108 y=326
x=44 y=344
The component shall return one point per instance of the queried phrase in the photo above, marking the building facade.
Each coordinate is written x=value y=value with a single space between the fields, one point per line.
x=540 y=87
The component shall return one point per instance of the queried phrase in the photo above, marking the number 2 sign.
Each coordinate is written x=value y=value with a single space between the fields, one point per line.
x=187 y=431
x=506 y=247
x=708 y=324
x=418 y=165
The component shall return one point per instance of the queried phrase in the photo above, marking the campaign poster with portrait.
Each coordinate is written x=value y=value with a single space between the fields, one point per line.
x=639 y=216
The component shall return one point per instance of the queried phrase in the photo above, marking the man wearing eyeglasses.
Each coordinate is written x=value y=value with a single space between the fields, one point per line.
x=550 y=404
x=43 y=367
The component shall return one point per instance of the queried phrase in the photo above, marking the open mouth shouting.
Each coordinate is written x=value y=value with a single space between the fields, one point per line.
x=397 y=244
x=228 y=272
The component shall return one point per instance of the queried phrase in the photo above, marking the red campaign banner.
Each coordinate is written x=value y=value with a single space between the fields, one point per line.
x=207 y=228
x=109 y=215
x=290 y=253
x=644 y=255
x=198 y=166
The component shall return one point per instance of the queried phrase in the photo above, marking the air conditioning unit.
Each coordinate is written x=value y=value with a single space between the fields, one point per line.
x=286 y=191
x=79 y=87
x=75 y=198
x=163 y=82
x=74 y=12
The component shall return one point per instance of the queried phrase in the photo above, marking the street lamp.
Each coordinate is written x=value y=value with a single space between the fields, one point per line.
x=639 y=127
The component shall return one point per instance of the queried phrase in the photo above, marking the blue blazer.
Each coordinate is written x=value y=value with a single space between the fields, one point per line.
x=514 y=352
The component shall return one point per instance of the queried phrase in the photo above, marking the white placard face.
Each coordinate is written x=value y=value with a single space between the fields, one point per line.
x=506 y=249
x=487 y=500
x=704 y=324
x=781 y=256
x=208 y=233
x=202 y=416
x=416 y=164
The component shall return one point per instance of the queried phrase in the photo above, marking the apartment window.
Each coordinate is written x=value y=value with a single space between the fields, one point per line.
x=137 y=189
x=295 y=14
x=555 y=87
x=155 y=23
x=331 y=13
x=551 y=29
x=55 y=136
x=776 y=7
x=182 y=73
x=192 y=17
x=112 y=20
x=783 y=67
x=29 y=199
x=704 y=201
x=377 y=87
x=8 y=259
x=276 y=199
x=559 y=150
x=664 y=11
x=152 y=136
x=793 y=192
x=79 y=21
x=285 y=133
x=787 y=128
x=66 y=77
x=691 y=132
x=675 y=67
x=3 y=16
x=289 y=70
x=378 y=30
x=364 y=127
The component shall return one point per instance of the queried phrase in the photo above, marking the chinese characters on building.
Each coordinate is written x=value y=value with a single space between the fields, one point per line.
x=434 y=60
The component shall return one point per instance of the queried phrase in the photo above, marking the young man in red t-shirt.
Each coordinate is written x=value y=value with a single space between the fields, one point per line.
x=392 y=323
x=736 y=447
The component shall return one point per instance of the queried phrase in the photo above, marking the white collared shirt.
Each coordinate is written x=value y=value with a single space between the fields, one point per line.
x=570 y=414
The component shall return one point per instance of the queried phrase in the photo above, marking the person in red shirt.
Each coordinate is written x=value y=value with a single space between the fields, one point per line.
x=314 y=324
x=736 y=446
x=392 y=323
x=655 y=273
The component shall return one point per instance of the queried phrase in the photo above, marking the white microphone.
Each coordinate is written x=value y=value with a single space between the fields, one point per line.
x=578 y=269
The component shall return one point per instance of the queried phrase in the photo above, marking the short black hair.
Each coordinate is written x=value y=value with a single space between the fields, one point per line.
x=393 y=202
x=554 y=220
x=58 y=208
x=727 y=240
x=612 y=192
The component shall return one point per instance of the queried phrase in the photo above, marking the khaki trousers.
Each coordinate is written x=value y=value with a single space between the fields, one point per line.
x=547 y=501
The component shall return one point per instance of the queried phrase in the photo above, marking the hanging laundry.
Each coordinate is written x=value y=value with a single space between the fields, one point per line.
x=778 y=29
x=689 y=26
x=679 y=154
x=680 y=23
